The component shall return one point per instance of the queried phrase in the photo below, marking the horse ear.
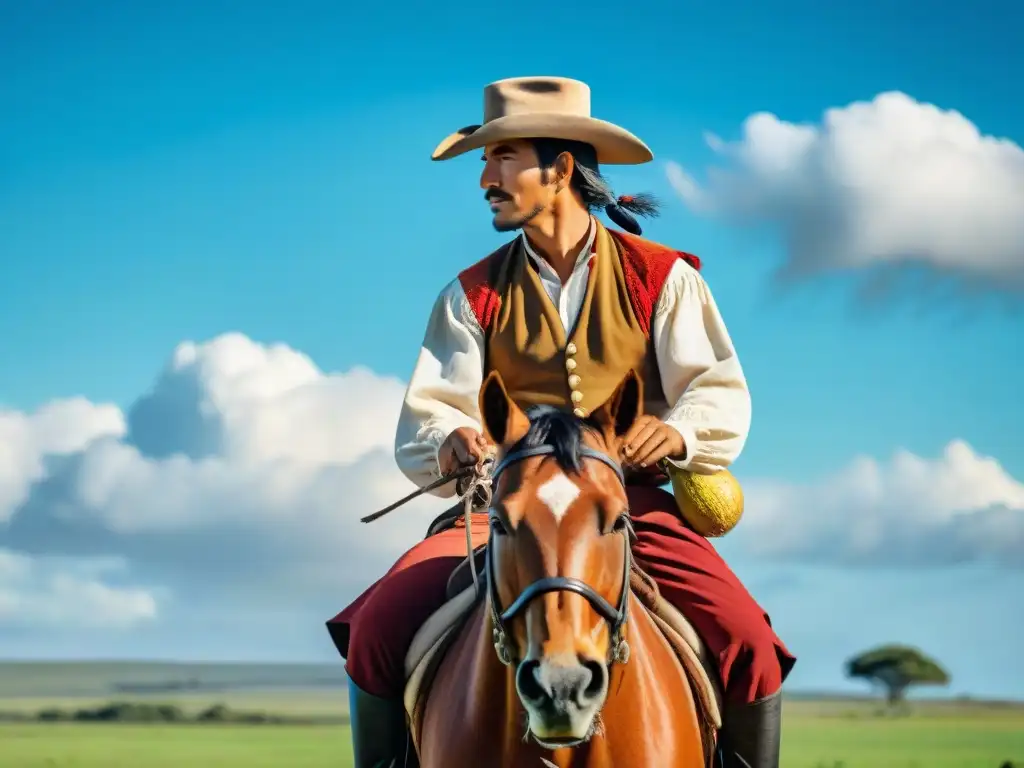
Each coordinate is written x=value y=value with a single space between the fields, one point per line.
x=624 y=406
x=504 y=422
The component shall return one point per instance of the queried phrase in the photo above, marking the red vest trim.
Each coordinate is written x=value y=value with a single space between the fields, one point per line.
x=478 y=285
x=646 y=266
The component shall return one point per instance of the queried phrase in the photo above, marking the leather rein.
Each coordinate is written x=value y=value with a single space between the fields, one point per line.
x=484 y=478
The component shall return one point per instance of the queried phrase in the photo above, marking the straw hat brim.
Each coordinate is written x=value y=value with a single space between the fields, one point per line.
x=614 y=145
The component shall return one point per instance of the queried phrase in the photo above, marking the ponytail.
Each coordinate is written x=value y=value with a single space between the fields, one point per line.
x=622 y=210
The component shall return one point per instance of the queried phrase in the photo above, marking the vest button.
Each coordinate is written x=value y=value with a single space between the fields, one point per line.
x=579 y=413
x=577 y=396
x=570 y=348
x=570 y=364
x=574 y=381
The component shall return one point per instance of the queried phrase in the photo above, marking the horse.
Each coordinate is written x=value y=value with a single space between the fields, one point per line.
x=557 y=661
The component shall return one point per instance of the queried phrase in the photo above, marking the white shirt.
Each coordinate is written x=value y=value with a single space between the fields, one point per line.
x=569 y=297
x=706 y=395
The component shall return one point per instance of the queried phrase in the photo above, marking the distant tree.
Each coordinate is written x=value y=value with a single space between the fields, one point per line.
x=218 y=713
x=896 y=668
x=127 y=712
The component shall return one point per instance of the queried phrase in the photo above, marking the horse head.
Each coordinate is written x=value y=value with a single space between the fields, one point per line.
x=559 y=555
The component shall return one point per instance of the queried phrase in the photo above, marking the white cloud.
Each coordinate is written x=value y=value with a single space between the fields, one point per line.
x=911 y=511
x=60 y=427
x=258 y=404
x=38 y=592
x=231 y=491
x=885 y=184
x=244 y=469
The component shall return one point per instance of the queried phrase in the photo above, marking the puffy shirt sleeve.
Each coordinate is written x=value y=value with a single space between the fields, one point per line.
x=443 y=390
x=709 y=403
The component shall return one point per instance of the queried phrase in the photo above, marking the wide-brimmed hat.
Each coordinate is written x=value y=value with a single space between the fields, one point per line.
x=544 y=107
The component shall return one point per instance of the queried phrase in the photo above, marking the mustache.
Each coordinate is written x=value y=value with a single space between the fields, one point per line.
x=496 y=194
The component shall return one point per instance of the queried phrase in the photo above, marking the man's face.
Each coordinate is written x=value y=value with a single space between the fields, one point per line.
x=515 y=186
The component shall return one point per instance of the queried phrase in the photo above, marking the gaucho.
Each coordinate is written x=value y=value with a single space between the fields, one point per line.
x=563 y=312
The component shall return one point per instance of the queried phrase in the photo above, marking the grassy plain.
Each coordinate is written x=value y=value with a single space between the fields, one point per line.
x=64 y=745
x=818 y=733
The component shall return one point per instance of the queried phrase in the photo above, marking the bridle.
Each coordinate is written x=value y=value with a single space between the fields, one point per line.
x=480 y=480
x=615 y=616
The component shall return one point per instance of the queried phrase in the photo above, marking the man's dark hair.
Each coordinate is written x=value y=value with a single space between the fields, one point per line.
x=593 y=188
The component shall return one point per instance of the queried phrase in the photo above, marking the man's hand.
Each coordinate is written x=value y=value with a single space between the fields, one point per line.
x=463 y=447
x=649 y=441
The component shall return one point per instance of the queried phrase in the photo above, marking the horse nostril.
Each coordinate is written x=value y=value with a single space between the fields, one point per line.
x=527 y=683
x=598 y=679
x=553 y=686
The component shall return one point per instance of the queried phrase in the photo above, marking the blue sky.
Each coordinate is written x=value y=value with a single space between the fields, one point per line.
x=171 y=174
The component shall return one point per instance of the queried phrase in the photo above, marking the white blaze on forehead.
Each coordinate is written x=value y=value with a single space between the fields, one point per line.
x=558 y=494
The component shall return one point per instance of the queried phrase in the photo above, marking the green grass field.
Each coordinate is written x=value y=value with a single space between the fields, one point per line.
x=809 y=742
x=818 y=734
x=181 y=746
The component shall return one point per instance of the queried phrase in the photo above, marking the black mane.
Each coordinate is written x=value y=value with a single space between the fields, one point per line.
x=562 y=430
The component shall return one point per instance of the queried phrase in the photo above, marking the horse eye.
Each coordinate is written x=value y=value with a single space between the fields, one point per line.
x=620 y=523
x=497 y=526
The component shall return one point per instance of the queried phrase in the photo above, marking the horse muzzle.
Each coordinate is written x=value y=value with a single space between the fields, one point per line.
x=562 y=698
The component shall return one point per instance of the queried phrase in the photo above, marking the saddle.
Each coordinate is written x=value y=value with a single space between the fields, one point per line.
x=430 y=643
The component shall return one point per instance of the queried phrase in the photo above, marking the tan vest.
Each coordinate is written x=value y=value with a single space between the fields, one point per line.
x=541 y=363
